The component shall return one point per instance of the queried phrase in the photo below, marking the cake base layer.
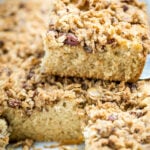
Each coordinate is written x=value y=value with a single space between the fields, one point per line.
x=35 y=107
x=55 y=123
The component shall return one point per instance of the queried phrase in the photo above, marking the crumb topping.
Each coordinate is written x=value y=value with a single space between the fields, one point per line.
x=4 y=139
x=97 y=23
x=23 y=86
x=109 y=127
x=71 y=40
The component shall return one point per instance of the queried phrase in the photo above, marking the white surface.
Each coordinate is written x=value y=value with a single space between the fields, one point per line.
x=146 y=70
x=145 y=74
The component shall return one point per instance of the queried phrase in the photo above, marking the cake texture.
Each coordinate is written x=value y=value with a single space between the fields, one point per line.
x=97 y=39
x=42 y=107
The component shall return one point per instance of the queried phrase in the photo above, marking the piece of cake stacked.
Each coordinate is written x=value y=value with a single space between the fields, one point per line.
x=47 y=97
x=97 y=39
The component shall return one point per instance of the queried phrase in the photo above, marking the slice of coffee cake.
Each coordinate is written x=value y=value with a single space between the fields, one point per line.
x=97 y=39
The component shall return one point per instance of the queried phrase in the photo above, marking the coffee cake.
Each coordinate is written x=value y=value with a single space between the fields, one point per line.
x=35 y=107
x=97 y=39
x=42 y=107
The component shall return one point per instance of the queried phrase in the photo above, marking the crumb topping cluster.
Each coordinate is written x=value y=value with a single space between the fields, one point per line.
x=97 y=25
x=110 y=128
